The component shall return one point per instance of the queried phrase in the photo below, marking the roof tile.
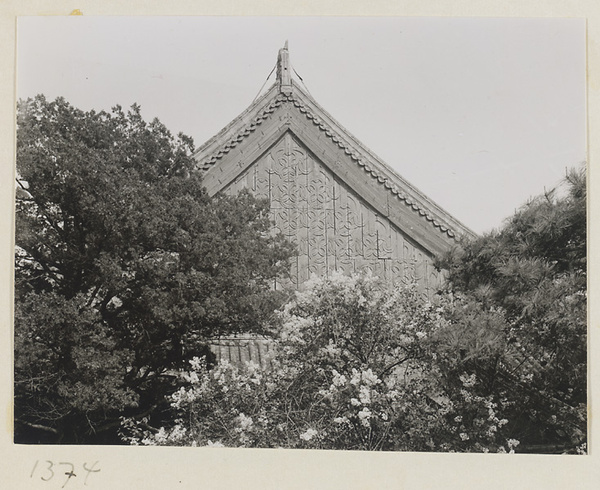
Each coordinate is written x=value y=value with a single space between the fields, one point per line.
x=330 y=133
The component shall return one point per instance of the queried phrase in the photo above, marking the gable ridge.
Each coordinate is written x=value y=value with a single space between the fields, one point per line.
x=207 y=159
x=385 y=176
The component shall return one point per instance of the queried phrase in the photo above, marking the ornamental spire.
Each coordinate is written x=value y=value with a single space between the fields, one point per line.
x=284 y=75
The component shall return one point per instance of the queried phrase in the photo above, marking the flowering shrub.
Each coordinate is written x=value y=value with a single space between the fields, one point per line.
x=356 y=366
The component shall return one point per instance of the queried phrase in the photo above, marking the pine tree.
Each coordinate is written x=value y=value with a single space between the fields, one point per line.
x=534 y=269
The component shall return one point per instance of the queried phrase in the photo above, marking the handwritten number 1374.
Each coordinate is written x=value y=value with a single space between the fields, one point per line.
x=51 y=469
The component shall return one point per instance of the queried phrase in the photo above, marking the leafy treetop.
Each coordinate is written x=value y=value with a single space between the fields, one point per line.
x=124 y=265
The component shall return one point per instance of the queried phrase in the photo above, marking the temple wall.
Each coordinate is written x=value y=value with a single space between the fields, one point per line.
x=332 y=227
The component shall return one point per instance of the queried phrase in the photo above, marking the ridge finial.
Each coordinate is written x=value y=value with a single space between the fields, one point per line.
x=284 y=75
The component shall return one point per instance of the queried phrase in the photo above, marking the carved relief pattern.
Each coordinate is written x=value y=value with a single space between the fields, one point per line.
x=332 y=227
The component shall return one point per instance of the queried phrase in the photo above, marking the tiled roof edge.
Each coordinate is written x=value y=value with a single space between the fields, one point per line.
x=387 y=181
x=207 y=162
x=372 y=172
x=388 y=177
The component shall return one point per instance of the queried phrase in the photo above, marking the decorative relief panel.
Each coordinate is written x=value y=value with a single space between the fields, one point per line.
x=332 y=227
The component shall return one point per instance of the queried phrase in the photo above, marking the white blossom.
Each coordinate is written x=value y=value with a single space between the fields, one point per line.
x=468 y=381
x=214 y=444
x=244 y=421
x=364 y=415
x=308 y=434
x=513 y=443
x=364 y=395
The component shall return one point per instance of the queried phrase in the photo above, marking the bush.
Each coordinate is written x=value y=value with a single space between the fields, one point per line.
x=356 y=366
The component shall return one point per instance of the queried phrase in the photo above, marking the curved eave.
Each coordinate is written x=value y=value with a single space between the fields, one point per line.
x=380 y=171
x=250 y=120
x=236 y=130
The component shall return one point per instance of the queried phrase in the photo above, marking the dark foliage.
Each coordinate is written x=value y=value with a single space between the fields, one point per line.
x=124 y=267
x=533 y=270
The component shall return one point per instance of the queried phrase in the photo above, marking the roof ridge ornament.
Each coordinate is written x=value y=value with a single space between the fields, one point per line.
x=284 y=75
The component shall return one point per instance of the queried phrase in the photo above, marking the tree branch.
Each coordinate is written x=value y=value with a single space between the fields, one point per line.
x=38 y=426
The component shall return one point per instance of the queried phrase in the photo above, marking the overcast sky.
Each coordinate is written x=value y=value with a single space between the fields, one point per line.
x=479 y=114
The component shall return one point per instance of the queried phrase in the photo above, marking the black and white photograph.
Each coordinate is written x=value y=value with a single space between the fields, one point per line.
x=360 y=234
x=278 y=284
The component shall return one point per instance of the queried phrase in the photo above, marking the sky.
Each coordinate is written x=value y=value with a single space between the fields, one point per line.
x=480 y=114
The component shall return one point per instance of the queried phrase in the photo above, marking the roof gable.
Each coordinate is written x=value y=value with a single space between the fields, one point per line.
x=287 y=108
